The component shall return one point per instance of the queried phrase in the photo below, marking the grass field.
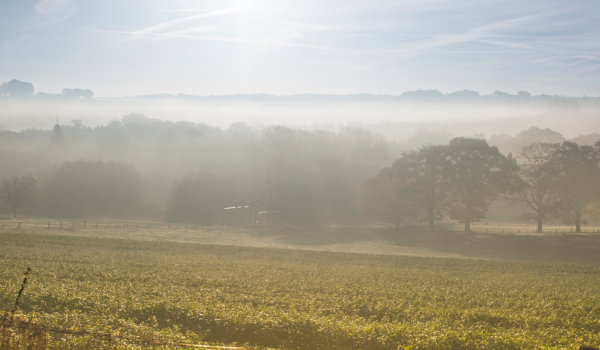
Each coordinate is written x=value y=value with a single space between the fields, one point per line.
x=299 y=299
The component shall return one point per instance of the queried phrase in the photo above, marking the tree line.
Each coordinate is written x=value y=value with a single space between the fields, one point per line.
x=312 y=178
x=461 y=179
x=189 y=173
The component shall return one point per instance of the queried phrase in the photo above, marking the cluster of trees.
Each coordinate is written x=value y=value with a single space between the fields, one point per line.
x=187 y=172
x=313 y=178
x=462 y=178
x=79 y=189
x=20 y=89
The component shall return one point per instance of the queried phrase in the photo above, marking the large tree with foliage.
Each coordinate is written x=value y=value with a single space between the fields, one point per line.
x=536 y=183
x=427 y=190
x=412 y=187
x=578 y=178
x=476 y=174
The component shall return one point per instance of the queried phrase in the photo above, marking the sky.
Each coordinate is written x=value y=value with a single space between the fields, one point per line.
x=136 y=47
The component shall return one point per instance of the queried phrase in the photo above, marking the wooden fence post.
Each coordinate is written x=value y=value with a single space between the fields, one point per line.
x=84 y=224
x=61 y=224
x=48 y=224
x=19 y=226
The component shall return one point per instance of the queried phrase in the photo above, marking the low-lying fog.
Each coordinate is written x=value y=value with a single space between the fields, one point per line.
x=382 y=114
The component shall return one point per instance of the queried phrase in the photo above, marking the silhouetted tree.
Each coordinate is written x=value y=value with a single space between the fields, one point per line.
x=385 y=196
x=199 y=198
x=536 y=183
x=423 y=173
x=16 y=88
x=476 y=174
x=578 y=181
x=94 y=188
x=16 y=191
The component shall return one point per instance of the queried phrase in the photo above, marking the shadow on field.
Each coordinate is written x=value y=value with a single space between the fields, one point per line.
x=552 y=247
x=564 y=248
x=580 y=248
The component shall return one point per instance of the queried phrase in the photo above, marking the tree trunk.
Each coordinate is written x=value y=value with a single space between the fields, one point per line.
x=467 y=225
x=577 y=220
x=431 y=227
x=15 y=212
x=397 y=213
x=539 y=229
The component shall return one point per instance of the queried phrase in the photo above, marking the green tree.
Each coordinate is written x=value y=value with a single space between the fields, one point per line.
x=476 y=174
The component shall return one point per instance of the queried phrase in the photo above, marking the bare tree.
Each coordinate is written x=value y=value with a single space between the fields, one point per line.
x=16 y=191
x=536 y=183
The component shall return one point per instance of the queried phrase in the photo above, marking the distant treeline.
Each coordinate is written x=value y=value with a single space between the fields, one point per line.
x=19 y=89
x=187 y=172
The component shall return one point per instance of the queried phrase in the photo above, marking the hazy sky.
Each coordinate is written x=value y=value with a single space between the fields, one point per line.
x=133 y=47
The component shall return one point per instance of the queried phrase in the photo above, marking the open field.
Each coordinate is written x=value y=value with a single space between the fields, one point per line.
x=498 y=242
x=299 y=299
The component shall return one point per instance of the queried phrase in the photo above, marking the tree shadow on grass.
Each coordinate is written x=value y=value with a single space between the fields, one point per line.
x=560 y=248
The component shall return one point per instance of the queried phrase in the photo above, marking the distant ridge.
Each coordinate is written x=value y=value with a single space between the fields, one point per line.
x=19 y=89
x=417 y=96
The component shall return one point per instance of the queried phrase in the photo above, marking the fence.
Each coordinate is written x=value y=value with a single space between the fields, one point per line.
x=98 y=224
x=18 y=334
x=451 y=227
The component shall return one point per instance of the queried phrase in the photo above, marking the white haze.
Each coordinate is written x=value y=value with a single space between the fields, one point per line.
x=393 y=120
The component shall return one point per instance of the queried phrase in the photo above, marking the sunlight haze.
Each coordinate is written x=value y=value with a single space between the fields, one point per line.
x=134 y=47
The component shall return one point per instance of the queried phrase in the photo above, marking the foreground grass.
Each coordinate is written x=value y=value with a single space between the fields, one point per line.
x=300 y=299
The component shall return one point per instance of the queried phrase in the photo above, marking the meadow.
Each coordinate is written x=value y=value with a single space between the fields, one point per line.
x=298 y=299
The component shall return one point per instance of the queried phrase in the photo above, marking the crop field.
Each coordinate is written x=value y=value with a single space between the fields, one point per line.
x=298 y=299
